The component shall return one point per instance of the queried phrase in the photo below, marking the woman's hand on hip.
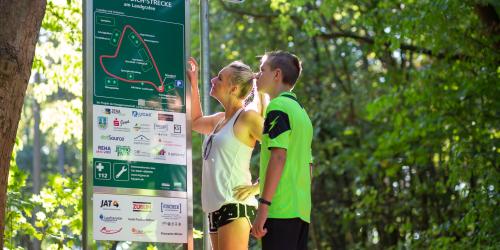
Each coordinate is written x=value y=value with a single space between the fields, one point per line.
x=242 y=192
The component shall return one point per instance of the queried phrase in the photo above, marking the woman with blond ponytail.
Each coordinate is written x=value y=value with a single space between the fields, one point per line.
x=227 y=149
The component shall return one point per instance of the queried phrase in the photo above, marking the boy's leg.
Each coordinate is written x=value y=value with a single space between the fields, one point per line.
x=303 y=236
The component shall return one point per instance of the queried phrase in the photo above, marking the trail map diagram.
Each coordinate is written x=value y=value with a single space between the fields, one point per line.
x=144 y=64
x=135 y=62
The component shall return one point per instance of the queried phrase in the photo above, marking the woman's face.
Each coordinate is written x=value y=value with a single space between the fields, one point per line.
x=221 y=84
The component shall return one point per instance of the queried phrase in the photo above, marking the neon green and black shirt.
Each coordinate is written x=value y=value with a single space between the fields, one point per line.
x=288 y=126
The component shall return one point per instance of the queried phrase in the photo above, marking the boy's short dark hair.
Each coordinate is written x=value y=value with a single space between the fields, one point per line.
x=290 y=65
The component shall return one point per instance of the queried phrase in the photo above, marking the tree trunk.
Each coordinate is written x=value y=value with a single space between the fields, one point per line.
x=60 y=148
x=20 y=23
x=37 y=147
x=37 y=157
x=490 y=19
x=60 y=158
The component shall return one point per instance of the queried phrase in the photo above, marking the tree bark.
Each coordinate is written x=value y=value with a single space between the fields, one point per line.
x=37 y=147
x=60 y=158
x=20 y=23
x=60 y=148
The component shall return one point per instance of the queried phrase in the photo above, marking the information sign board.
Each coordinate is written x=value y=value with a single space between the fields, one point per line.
x=137 y=131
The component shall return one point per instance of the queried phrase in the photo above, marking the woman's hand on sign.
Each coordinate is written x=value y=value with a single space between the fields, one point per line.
x=192 y=71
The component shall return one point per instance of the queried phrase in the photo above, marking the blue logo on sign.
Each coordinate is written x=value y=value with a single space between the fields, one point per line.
x=102 y=122
x=179 y=83
x=141 y=114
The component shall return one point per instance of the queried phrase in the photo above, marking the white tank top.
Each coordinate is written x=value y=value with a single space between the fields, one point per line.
x=227 y=165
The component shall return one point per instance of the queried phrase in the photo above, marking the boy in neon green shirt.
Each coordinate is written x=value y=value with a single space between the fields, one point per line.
x=284 y=210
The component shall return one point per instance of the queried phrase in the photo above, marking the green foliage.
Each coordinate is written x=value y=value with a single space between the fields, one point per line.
x=54 y=216
x=404 y=100
x=58 y=59
x=18 y=210
x=60 y=208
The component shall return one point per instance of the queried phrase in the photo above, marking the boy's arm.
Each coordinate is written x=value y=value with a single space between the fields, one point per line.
x=273 y=175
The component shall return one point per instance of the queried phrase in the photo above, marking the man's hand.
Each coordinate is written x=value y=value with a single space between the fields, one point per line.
x=242 y=192
x=258 y=230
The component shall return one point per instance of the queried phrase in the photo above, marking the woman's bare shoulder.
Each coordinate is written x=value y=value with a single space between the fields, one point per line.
x=251 y=117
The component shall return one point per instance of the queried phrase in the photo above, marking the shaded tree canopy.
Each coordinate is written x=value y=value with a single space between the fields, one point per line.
x=404 y=100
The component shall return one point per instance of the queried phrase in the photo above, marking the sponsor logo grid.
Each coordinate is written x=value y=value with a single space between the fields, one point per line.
x=134 y=217
x=139 y=135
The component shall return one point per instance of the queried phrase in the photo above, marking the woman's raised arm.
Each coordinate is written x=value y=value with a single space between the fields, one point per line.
x=201 y=124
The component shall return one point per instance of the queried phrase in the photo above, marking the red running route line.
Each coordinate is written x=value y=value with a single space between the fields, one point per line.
x=160 y=89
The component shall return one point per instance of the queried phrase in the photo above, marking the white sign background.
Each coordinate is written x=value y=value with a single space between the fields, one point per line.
x=151 y=136
x=140 y=218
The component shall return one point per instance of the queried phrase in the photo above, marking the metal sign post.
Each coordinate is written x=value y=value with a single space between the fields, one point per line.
x=205 y=79
x=137 y=127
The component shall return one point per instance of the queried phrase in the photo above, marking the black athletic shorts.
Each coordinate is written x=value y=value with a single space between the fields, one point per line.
x=229 y=212
x=285 y=234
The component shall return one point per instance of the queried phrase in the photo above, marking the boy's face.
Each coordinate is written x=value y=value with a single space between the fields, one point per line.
x=265 y=77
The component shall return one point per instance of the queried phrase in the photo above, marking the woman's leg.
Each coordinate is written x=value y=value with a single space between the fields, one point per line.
x=214 y=239
x=234 y=236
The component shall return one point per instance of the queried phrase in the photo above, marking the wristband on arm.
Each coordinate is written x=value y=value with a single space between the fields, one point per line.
x=263 y=201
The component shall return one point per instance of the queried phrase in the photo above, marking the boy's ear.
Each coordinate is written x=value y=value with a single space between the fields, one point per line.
x=278 y=74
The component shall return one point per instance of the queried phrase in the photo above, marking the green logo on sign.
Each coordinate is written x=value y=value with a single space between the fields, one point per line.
x=123 y=150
